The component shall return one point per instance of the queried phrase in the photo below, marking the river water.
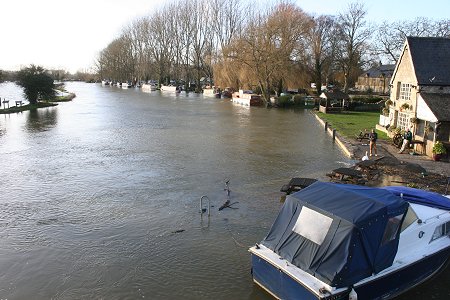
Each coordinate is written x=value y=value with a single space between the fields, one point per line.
x=99 y=197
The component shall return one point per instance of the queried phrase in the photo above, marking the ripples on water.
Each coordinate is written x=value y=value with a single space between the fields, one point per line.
x=100 y=196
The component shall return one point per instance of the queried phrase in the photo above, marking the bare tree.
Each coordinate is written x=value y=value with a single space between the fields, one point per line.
x=391 y=35
x=353 y=42
x=320 y=49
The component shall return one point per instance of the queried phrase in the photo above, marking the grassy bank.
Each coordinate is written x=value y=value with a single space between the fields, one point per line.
x=41 y=104
x=66 y=98
x=350 y=123
x=16 y=109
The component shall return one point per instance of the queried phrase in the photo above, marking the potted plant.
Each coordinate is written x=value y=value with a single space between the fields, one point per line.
x=404 y=106
x=438 y=150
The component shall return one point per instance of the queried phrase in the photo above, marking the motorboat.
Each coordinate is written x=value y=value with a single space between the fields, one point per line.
x=169 y=88
x=343 y=241
x=106 y=82
x=247 y=98
x=211 y=92
x=126 y=85
x=148 y=87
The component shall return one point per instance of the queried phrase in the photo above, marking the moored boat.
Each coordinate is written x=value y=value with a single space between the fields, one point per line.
x=126 y=85
x=212 y=92
x=169 y=88
x=106 y=82
x=247 y=98
x=148 y=87
x=331 y=240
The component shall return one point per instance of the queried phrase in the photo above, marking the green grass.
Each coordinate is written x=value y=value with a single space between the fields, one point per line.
x=16 y=109
x=66 y=98
x=349 y=124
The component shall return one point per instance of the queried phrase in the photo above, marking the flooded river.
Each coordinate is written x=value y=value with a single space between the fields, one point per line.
x=99 y=197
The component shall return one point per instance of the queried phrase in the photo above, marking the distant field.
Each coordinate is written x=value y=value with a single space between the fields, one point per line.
x=350 y=123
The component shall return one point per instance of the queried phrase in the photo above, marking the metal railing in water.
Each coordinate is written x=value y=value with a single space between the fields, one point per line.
x=202 y=210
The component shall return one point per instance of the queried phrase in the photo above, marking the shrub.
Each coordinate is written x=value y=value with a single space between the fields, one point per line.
x=285 y=101
x=439 y=148
x=298 y=99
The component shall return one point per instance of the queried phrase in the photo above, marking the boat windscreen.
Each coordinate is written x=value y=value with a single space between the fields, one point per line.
x=410 y=218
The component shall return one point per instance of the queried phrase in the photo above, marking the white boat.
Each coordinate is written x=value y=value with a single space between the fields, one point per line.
x=336 y=241
x=247 y=98
x=126 y=85
x=169 y=88
x=211 y=92
x=106 y=82
x=148 y=87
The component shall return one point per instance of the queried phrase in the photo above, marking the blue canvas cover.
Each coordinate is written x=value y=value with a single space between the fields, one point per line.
x=340 y=237
x=420 y=196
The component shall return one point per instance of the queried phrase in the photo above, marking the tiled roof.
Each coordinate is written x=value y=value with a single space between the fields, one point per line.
x=431 y=59
x=335 y=95
x=378 y=71
x=439 y=104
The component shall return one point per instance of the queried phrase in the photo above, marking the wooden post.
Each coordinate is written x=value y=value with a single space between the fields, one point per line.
x=334 y=134
x=326 y=126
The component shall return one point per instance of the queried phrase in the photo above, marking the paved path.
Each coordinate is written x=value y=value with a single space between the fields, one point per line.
x=385 y=148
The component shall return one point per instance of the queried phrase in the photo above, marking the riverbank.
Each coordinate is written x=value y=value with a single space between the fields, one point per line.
x=21 y=108
x=40 y=104
x=392 y=168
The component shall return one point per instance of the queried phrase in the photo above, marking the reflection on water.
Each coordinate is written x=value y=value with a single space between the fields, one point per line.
x=100 y=196
x=41 y=119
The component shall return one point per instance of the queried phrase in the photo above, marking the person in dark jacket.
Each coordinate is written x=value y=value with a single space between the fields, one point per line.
x=407 y=138
x=373 y=136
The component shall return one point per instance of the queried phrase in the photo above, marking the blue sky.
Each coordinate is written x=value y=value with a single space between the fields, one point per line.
x=379 y=10
x=69 y=34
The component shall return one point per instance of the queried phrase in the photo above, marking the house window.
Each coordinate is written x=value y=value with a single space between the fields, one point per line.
x=405 y=91
x=420 y=127
x=403 y=121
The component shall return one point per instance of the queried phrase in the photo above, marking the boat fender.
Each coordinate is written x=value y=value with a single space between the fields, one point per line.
x=352 y=295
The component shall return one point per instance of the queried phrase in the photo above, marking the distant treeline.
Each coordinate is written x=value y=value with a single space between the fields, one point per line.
x=269 y=47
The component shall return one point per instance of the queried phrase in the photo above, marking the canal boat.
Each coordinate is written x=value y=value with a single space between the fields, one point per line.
x=247 y=98
x=169 y=88
x=342 y=241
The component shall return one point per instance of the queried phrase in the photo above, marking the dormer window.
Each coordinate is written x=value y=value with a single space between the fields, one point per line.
x=405 y=91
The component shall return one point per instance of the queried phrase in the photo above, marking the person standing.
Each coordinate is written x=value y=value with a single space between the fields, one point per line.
x=373 y=136
x=407 y=138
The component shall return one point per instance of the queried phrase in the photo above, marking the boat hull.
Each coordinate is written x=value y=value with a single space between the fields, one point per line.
x=282 y=286
x=402 y=280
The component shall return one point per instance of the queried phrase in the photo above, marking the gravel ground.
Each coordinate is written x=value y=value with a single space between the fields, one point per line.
x=391 y=168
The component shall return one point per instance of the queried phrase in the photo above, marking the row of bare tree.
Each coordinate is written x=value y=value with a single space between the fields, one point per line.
x=264 y=47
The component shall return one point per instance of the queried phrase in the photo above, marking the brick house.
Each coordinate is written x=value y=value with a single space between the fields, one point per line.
x=420 y=91
x=376 y=79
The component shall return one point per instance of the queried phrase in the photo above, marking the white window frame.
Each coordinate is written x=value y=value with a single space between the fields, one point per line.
x=403 y=120
x=405 y=91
